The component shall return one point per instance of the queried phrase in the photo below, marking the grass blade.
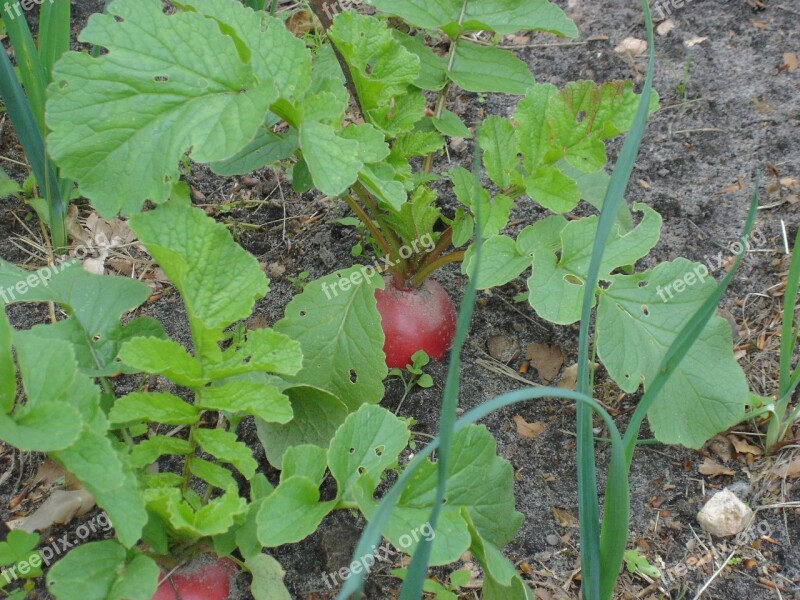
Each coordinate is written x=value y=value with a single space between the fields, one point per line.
x=31 y=72
x=788 y=328
x=30 y=137
x=601 y=555
x=54 y=34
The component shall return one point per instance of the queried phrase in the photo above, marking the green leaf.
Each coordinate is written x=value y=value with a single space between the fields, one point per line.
x=211 y=473
x=148 y=451
x=99 y=571
x=638 y=318
x=368 y=443
x=552 y=189
x=332 y=160
x=305 y=461
x=501 y=16
x=379 y=180
x=501 y=262
x=261 y=350
x=317 y=416
x=337 y=323
x=267 y=578
x=8 y=187
x=153 y=407
x=223 y=445
x=479 y=68
x=557 y=284
x=218 y=280
x=156 y=103
x=8 y=371
x=163 y=357
x=494 y=564
x=265 y=149
x=263 y=41
x=635 y=562
x=500 y=150
x=380 y=66
x=21 y=547
x=94 y=304
x=449 y=123
x=432 y=67
x=509 y=16
x=292 y=512
x=247 y=397
x=478 y=482
x=215 y=518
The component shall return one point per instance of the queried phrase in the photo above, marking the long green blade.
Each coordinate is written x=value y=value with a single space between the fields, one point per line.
x=600 y=562
x=53 y=33
x=31 y=72
x=788 y=328
x=30 y=137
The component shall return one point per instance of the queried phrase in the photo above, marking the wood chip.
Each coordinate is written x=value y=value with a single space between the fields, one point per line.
x=712 y=468
x=528 y=430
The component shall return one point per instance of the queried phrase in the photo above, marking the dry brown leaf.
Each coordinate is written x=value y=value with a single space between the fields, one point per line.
x=546 y=359
x=712 y=468
x=694 y=40
x=569 y=379
x=721 y=447
x=631 y=46
x=564 y=518
x=731 y=188
x=665 y=27
x=60 y=508
x=742 y=446
x=528 y=430
x=790 y=62
x=788 y=470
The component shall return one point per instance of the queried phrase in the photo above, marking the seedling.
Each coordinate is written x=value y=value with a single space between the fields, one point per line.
x=416 y=376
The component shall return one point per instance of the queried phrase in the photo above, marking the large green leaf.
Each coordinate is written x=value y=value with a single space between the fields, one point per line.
x=214 y=518
x=337 y=323
x=478 y=482
x=368 y=443
x=100 y=571
x=478 y=68
x=94 y=304
x=638 y=318
x=218 y=280
x=502 y=16
x=247 y=398
x=155 y=104
x=557 y=284
x=163 y=357
x=292 y=512
x=317 y=415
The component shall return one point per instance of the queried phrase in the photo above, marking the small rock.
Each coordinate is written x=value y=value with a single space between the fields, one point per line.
x=552 y=539
x=502 y=348
x=197 y=195
x=250 y=182
x=724 y=515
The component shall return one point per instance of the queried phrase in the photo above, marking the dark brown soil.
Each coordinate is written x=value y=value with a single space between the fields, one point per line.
x=728 y=108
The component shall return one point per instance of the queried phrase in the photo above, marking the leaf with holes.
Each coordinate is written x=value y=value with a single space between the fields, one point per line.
x=638 y=318
x=368 y=443
x=338 y=326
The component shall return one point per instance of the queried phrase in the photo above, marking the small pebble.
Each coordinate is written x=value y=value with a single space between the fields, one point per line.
x=552 y=539
x=724 y=515
x=502 y=347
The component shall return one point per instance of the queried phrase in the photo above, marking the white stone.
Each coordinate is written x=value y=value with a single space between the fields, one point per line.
x=724 y=515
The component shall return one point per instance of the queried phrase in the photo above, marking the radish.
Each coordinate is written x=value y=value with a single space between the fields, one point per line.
x=207 y=578
x=415 y=319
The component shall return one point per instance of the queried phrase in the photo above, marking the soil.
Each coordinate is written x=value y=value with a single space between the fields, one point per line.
x=728 y=107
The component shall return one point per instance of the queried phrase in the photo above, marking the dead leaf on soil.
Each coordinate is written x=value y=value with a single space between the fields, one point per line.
x=790 y=62
x=665 y=27
x=712 y=468
x=60 y=508
x=564 y=518
x=528 y=430
x=788 y=470
x=631 y=46
x=694 y=40
x=721 y=447
x=742 y=446
x=546 y=359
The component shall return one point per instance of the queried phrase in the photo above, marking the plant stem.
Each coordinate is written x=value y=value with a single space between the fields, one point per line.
x=389 y=235
x=322 y=10
x=187 y=475
x=444 y=241
x=365 y=218
x=423 y=273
